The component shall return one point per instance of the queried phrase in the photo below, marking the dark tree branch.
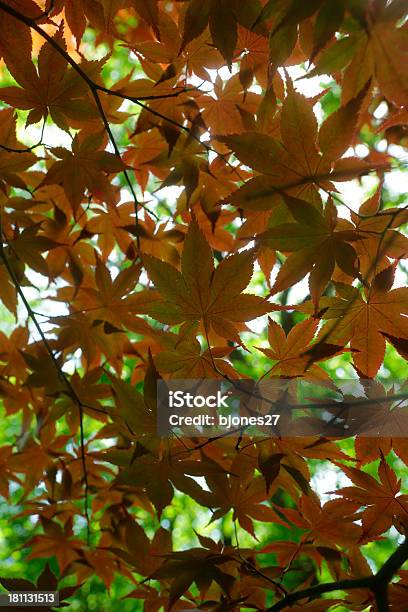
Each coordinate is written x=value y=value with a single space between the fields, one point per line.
x=378 y=583
x=26 y=150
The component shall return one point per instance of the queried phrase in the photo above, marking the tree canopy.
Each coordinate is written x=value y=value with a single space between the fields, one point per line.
x=202 y=189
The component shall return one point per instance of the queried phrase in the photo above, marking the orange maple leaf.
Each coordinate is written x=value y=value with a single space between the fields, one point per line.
x=202 y=293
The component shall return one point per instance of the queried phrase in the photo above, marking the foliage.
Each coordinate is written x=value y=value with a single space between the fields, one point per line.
x=173 y=205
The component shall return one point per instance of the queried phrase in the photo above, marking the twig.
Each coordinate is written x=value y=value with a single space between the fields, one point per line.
x=26 y=149
x=117 y=153
x=253 y=569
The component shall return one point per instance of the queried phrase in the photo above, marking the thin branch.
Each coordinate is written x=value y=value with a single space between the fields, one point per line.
x=26 y=149
x=117 y=153
x=253 y=569
x=61 y=374
x=137 y=100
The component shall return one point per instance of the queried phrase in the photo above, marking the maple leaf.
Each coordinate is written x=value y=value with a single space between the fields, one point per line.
x=385 y=415
x=116 y=302
x=196 y=57
x=186 y=160
x=145 y=555
x=57 y=541
x=76 y=18
x=71 y=253
x=218 y=182
x=254 y=57
x=200 y=56
x=34 y=459
x=96 y=336
x=186 y=360
x=398 y=592
x=328 y=21
x=380 y=49
x=327 y=525
x=222 y=18
x=378 y=239
x=318 y=242
x=136 y=413
x=149 y=11
x=158 y=239
x=160 y=108
x=8 y=293
x=83 y=168
x=202 y=293
x=366 y=451
x=381 y=499
x=147 y=146
x=90 y=392
x=150 y=597
x=155 y=239
x=159 y=476
x=101 y=563
x=294 y=164
x=6 y=473
x=195 y=565
x=108 y=225
x=28 y=246
x=10 y=352
x=294 y=354
x=103 y=13
x=221 y=111
x=243 y=493
x=363 y=319
x=56 y=89
x=11 y=28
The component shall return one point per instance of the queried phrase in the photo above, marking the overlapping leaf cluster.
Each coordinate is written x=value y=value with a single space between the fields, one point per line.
x=200 y=98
